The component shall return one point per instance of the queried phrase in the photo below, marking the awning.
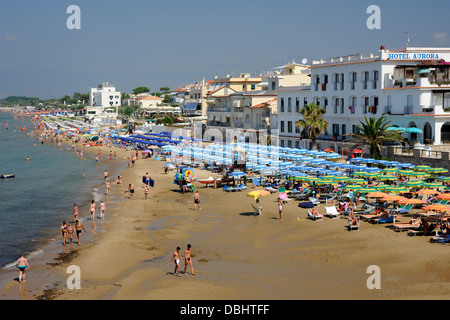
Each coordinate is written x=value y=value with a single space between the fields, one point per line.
x=191 y=106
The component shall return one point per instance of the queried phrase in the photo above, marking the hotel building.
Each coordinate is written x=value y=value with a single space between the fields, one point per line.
x=410 y=87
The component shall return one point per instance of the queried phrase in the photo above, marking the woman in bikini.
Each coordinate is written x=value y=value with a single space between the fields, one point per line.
x=92 y=210
x=64 y=231
x=22 y=265
x=70 y=232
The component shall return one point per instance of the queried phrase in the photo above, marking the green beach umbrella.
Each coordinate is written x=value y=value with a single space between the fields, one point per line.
x=390 y=170
x=357 y=181
x=433 y=185
x=396 y=189
x=419 y=174
x=445 y=179
x=406 y=172
x=342 y=178
x=415 y=183
x=386 y=177
x=366 y=190
x=359 y=174
x=352 y=187
x=422 y=168
x=437 y=170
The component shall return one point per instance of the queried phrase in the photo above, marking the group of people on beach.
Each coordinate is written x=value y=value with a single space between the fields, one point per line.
x=176 y=258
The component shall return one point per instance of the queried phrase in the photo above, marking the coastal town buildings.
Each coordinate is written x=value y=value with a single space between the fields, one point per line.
x=409 y=86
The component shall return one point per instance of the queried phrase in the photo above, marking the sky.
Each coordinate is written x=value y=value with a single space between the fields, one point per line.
x=172 y=43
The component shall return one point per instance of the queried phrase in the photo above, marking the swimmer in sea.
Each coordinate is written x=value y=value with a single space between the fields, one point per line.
x=188 y=260
x=22 y=265
x=176 y=258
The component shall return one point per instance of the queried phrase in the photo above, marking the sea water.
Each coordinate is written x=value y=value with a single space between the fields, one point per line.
x=41 y=195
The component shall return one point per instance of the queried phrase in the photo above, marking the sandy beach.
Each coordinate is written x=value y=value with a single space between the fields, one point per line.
x=236 y=255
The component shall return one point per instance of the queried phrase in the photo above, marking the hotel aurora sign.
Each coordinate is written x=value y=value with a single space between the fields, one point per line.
x=414 y=56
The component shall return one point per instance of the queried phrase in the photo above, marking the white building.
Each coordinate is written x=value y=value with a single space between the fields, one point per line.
x=105 y=95
x=409 y=86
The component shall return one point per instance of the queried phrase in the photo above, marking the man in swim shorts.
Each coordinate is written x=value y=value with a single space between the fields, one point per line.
x=176 y=258
x=22 y=265
x=196 y=201
x=188 y=260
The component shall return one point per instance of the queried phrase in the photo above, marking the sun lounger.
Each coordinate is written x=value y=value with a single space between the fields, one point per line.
x=390 y=219
x=332 y=212
x=440 y=239
x=367 y=217
x=354 y=227
x=316 y=217
x=238 y=188
x=271 y=189
x=404 y=209
x=314 y=201
x=412 y=225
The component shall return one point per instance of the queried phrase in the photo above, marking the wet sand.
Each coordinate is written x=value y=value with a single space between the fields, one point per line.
x=236 y=255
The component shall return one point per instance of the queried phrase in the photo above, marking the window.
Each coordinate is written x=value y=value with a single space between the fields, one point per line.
x=281 y=143
x=365 y=79
x=289 y=104
x=282 y=126
x=336 y=105
x=289 y=144
x=344 y=129
x=289 y=126
x=342 y=81
x=273 y=85
x=342 y=105
x=375 y=79
x=297 y=104
x=335 y=129
x=316 y=83
x=336 y=81
x=355 y=129
x=305 y=101
x=282 y=105
x=353 y=80
x=253 y=87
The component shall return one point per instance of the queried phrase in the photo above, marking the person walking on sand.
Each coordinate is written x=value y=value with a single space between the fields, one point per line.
x=22 y=265
x=176 y=258
x=108 y=187
x=70 y=232
x=280 y=208
x=92 y=208
x=188 y=260
x=102 y=210
x=78 y=228
x=196 y=200
x=63 y=229
x=75 y=212
x=130 y=191
x=146 y=191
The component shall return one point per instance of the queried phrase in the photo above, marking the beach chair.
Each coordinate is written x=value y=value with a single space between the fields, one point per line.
x=316 y=217
x=354 y=227
x=390 y=219
x=257 y=210
x=332 y=212
x=413 y=224
x=314 y=201
x=404 y=209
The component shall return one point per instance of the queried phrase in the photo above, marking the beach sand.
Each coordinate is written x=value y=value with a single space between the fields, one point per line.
x=236 y=255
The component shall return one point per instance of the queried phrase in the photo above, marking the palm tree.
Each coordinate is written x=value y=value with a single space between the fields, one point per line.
x=374 y=133
x=312 y=121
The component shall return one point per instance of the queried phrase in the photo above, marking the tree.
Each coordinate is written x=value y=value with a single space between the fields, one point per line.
x=312 y=121
x=374 y=133
x=164 y=89
x=141 y=90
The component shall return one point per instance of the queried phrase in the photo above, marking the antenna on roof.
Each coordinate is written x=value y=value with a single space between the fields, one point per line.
x=408 y=40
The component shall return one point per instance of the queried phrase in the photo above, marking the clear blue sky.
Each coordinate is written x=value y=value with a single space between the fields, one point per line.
x=171 y=43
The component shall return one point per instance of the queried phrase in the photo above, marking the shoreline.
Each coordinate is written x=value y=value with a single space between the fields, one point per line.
x=236 y=255
x=52 y=252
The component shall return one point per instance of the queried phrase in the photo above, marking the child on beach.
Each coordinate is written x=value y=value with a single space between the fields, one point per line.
x=146 y=191
x=196 y=201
